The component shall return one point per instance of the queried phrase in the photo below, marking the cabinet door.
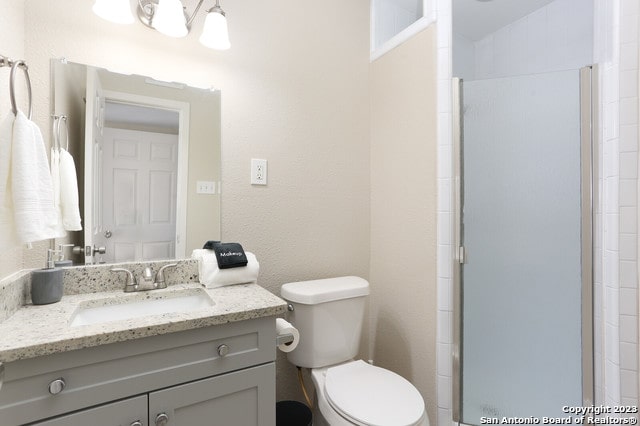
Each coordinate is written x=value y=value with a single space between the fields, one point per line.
x=241 y=398
x=121 y=413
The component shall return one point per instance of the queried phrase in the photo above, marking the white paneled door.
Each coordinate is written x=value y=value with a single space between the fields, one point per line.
x=94 y=125
x=139 y=195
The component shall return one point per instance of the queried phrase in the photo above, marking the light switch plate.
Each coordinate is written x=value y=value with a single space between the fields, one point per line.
x=205 y=187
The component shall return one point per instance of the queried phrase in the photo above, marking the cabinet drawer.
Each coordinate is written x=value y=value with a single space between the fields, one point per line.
x=120 y=413
x=105 y=373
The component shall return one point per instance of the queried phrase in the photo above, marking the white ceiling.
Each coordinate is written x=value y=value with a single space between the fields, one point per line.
x=135 y=115
x=475 y=19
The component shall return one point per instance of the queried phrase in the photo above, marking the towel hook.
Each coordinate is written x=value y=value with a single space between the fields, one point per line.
x=59 y=119
x=19 y=64
x=56 y=142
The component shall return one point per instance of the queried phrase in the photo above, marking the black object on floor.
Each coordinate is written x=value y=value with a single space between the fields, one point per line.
x=292 y=413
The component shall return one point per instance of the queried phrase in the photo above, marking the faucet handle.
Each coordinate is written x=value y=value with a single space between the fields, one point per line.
x=160 y=278
x=147 y=275
x=130 y=284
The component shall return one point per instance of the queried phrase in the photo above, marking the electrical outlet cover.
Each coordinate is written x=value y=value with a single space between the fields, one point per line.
x=258 y=172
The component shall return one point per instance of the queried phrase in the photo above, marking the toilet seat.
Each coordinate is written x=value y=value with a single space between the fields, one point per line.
x=372 y=396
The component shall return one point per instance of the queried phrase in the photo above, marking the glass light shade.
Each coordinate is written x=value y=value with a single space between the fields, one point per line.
x=169 y=19
x=215 y=34
x=117 y=11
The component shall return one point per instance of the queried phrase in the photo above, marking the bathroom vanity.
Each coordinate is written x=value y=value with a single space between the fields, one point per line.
x=212 y=365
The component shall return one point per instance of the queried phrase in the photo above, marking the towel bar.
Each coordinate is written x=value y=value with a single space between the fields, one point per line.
x=57 y=140
x=7 y=62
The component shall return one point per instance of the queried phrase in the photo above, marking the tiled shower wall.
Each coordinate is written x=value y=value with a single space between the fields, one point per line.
x=620 y=162
x=615 y=34
x=445 y=213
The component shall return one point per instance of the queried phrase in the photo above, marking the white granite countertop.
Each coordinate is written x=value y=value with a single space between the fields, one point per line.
x=33 y=331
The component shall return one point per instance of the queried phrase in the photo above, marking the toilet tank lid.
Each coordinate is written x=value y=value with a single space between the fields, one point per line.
x=325 y=290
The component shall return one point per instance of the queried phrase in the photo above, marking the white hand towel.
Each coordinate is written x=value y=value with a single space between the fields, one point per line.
x=69 y=205
x=8 y=236
x=34 y=214
x=55 y=180
x=211 y=276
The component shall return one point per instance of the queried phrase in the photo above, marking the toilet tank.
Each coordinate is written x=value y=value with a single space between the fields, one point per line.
x=328 y=314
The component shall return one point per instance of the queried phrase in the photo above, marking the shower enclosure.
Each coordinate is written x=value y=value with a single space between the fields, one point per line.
x=523 y=339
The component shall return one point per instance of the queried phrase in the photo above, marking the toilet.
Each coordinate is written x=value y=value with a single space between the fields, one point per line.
x=329 y=313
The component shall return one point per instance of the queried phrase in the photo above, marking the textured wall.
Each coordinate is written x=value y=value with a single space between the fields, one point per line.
x=403 y=214
x=12 y=45
x=293 y=93
x=299 y=96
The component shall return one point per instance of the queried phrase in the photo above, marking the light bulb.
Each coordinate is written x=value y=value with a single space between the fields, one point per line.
x=117 y=11
x=169 y=18
x=215 y=34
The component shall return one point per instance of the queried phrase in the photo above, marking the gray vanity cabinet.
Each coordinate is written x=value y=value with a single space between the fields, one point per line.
x=238 y=398
x=121 y=413
x=219 y=375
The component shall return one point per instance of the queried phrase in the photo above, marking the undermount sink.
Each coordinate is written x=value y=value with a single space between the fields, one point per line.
x=107 y=310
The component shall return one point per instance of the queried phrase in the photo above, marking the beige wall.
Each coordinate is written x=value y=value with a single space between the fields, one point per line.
x=293 y=92
x=403 y=213
x=351 y=149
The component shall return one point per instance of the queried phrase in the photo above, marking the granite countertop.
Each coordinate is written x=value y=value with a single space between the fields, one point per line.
x=33 y=331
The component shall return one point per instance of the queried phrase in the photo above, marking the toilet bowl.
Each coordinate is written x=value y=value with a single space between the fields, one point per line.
x=328 y=314
x=357 y=393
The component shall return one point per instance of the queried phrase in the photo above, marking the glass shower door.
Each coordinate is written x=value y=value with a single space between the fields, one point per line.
x=521 y=227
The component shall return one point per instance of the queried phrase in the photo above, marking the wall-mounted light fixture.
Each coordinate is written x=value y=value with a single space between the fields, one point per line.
x=170 y=18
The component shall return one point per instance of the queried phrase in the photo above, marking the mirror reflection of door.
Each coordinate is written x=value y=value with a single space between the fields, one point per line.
x=135 y=189
x=84 y=94
x=140 y=183
x=94 y=123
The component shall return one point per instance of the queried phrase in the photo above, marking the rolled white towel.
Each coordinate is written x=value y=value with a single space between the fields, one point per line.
x=211 y=276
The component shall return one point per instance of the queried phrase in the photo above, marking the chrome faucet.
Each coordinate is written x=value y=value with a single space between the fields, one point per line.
x=145 y=281
x=160 y=281
x=130 y=284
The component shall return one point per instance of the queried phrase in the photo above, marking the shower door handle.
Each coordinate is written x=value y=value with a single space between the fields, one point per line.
x=462 y=255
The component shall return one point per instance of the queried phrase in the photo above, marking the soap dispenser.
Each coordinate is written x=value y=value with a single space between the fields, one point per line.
x=61 y=262
x=46 y=284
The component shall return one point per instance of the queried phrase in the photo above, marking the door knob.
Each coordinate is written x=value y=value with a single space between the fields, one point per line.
x=137 y=423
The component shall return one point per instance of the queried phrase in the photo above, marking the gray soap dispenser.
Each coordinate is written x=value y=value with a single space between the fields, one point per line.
x=46 y=284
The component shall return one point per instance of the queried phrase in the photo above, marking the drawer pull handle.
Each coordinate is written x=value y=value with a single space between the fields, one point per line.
x=57 y=386
x=223 y=350
x=137 y=423
x=162 y=419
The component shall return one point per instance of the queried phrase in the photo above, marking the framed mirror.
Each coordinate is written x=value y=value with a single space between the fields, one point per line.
x=147 y=155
